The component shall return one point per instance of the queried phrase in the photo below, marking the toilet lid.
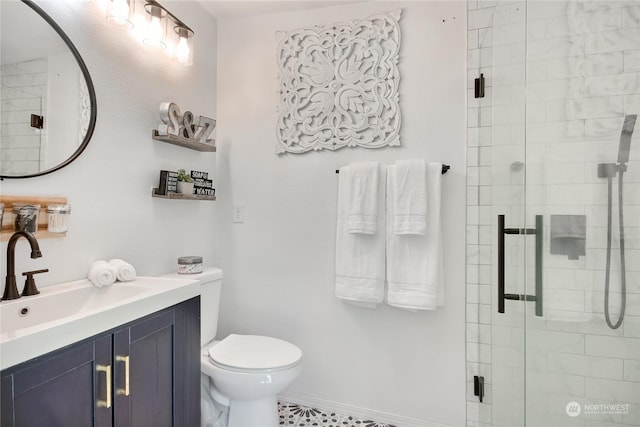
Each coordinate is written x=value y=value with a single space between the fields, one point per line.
x=254 y=352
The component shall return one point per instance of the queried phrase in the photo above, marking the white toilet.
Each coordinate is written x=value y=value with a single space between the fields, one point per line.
x=246 y=372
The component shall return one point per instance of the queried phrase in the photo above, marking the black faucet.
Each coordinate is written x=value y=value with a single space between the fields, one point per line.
x=10 y=288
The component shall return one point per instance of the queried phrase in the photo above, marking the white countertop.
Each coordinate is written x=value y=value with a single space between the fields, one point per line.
x=69 y=312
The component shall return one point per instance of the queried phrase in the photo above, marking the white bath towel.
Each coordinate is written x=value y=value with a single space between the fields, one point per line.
x=125 y=272
x=415 y=277
x=361 y=185
x=410 y=197
x=101 y=274
x=360 y=266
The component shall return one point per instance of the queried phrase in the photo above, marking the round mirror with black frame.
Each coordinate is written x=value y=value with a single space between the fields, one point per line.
x=47 y=98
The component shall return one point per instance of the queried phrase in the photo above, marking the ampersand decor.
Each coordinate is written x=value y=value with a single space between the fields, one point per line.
x=188 y=126
x=339 y=86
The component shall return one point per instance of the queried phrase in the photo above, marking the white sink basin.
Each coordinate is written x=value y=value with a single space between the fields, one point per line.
x=63 y=314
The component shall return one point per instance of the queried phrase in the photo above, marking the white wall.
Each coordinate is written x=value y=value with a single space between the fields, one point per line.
x=279 y=263
x=109 y=185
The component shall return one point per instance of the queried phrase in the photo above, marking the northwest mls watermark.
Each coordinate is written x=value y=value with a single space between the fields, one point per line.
x=574 y=409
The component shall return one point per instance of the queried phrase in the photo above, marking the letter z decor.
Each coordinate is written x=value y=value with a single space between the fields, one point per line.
x=339 y=85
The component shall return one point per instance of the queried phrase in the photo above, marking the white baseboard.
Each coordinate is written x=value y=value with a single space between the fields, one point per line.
x=344 y=409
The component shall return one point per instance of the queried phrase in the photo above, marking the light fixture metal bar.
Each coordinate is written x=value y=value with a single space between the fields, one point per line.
x=173 y=17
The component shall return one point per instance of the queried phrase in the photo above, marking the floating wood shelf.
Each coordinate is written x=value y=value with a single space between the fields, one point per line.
x=8 y=218
x=185 y=142
x=181 y=196
x=42 y=233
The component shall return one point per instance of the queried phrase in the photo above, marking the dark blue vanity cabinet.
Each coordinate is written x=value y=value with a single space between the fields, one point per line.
x=144 y=373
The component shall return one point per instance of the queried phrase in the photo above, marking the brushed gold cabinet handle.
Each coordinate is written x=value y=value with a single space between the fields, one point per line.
x=125 y=360
x=107 y=370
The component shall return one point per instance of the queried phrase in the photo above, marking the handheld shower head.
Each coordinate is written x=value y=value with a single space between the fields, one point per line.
x=625 y=138
x=609 y=171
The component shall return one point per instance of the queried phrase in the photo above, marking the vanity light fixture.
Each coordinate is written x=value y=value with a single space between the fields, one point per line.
x=151 y=24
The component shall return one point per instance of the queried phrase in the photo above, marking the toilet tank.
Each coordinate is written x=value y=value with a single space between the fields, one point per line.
x=210 y=287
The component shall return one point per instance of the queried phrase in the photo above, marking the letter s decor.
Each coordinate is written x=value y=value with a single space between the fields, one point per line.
x=339 y=85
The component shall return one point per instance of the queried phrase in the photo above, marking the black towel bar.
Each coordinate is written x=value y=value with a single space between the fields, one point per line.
x=445 y=168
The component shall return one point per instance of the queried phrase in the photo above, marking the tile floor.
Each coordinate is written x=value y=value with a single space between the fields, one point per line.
x=294 y=415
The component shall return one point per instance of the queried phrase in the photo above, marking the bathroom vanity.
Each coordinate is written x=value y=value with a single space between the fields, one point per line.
x=142 y=371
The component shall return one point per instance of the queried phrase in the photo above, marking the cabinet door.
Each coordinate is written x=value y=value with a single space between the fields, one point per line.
x=147 y=347
x=187 y=364
x=163 y=358
x=63 y=388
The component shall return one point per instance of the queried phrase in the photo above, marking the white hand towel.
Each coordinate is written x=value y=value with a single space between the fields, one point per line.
x=101 y=274
x=360 y=268
x=410 y=197
x=414 y=262
x=124 y=271
x=362 y=181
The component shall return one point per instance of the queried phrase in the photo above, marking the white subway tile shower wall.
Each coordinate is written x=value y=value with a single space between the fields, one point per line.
x=577 y=64
x=24 y=92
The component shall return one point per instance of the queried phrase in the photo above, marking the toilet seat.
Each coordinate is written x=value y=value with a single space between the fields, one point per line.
x=253 y=353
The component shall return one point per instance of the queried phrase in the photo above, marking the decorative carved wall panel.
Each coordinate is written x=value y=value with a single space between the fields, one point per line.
x=85 y=110
x=339 y=85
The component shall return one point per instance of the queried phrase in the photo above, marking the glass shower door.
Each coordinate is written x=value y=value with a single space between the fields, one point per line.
x=565 y=176
x=502 y=188
x=583 y=353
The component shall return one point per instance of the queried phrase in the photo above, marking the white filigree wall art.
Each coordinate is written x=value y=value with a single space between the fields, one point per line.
x=339 y=85
x=85 y=110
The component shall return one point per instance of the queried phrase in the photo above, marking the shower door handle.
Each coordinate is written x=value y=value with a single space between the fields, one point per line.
x=502 y=296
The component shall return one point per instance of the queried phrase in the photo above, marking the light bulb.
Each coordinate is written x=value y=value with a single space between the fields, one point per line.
x=182 y=50
x=155 y=32
x=155 y=29
x=119 y=12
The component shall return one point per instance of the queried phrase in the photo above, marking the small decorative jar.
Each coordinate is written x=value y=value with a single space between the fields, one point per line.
x=58 y=218
x=26 y=217
x=189 y=264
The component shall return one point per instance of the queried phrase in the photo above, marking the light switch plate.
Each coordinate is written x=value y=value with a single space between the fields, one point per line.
x=238 y=213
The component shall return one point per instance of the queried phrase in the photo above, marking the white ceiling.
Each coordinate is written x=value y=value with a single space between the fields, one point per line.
x=238 y=8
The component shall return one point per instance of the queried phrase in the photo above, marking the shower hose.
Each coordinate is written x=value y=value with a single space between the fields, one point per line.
x=622 y=262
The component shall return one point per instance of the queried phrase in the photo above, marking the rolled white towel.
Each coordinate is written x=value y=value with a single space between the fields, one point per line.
x=101 y=274
x=124 y=271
